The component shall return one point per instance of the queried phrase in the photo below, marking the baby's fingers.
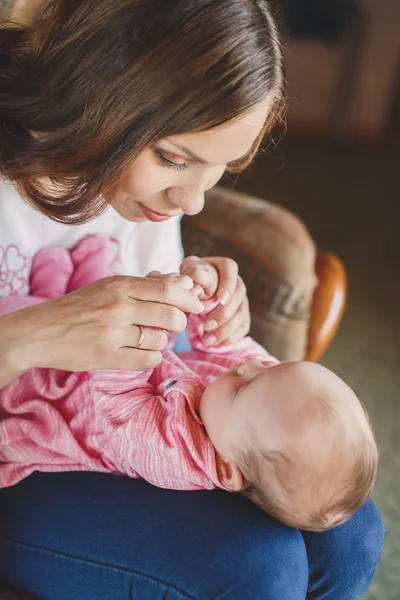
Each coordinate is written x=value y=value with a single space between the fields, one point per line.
x=198 y=291
x=204 y=276
x=200 y=276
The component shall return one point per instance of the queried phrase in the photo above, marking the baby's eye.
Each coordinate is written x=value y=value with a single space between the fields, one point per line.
x=240 y=386
x=172 y=162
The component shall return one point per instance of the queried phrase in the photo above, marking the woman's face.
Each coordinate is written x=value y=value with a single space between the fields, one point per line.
x=172 y=176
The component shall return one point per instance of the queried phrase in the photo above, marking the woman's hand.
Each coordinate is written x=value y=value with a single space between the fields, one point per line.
x=96 y=327
x=230 y=321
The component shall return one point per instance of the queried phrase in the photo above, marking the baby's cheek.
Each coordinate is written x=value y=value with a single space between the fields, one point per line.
x=217 y=407
x=210 y=410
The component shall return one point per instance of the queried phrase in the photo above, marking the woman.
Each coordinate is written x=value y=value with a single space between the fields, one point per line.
x=139 y=106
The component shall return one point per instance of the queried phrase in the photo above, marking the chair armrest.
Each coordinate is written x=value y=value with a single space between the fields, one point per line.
x=327 y=305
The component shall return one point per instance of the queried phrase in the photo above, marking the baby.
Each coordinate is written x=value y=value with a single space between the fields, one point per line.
x=292 y=437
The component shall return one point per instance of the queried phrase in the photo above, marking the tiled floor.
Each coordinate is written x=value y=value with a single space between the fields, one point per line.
x=349 y=197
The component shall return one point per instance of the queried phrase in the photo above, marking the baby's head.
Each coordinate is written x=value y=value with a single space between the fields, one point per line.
x=293 y=438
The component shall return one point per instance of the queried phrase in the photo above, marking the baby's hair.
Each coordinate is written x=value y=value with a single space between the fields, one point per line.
x=271 y=479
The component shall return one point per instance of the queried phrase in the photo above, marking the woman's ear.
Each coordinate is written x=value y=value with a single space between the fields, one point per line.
x=229 y=474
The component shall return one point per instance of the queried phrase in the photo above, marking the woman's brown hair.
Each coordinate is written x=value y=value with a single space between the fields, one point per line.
x=95 y=82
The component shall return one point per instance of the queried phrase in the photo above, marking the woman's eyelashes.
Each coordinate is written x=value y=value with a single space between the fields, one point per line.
x=163 y=161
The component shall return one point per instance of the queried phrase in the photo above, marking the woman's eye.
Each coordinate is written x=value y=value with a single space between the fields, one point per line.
x=163 y=161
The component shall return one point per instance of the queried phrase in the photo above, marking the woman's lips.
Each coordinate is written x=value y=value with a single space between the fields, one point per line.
x=151 y=215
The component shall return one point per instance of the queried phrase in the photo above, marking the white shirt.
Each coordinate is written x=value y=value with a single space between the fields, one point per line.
x=140 y=247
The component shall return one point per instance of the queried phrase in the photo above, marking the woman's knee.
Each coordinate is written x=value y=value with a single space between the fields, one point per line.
x=367 y=532
x=343 y=560
x=273 y=568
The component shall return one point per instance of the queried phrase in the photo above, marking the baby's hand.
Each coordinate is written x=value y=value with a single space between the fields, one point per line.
x=204 y=276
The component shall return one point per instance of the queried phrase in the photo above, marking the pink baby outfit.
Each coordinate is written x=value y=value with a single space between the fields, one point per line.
x=140 y=424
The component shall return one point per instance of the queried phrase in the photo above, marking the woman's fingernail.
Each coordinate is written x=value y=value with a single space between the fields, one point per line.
x=200 y=306
x=210 y=325
x=223 y=297
x=209 y=340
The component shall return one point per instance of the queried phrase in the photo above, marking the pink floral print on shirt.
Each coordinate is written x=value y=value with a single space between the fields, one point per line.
x=14 y=272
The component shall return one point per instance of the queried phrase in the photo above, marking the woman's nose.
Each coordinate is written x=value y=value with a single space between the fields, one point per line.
x=190 y=199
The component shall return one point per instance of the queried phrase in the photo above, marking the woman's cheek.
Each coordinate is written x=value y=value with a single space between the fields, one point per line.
x=145 y=178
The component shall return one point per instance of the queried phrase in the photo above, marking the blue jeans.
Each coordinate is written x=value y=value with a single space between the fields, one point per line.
x=92 y=536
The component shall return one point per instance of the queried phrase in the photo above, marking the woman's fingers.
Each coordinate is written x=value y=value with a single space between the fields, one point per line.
x=228 y=275
x=159 y=302
x=153 y=314
x=147 y=356
x=232 y=330
x=149 y=338
x=129 y=359
x=97 y=326
x=224 y=312
x=162 y=290
x=230 y=321
x=242 y=332
x=181 y=280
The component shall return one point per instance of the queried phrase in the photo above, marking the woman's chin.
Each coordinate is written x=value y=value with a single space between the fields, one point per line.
x=130 y=213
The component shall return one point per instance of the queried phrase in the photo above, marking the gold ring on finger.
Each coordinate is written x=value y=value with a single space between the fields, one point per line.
x=141 y=337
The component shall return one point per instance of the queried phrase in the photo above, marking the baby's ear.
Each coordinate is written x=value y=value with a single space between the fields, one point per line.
x=229 y=474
